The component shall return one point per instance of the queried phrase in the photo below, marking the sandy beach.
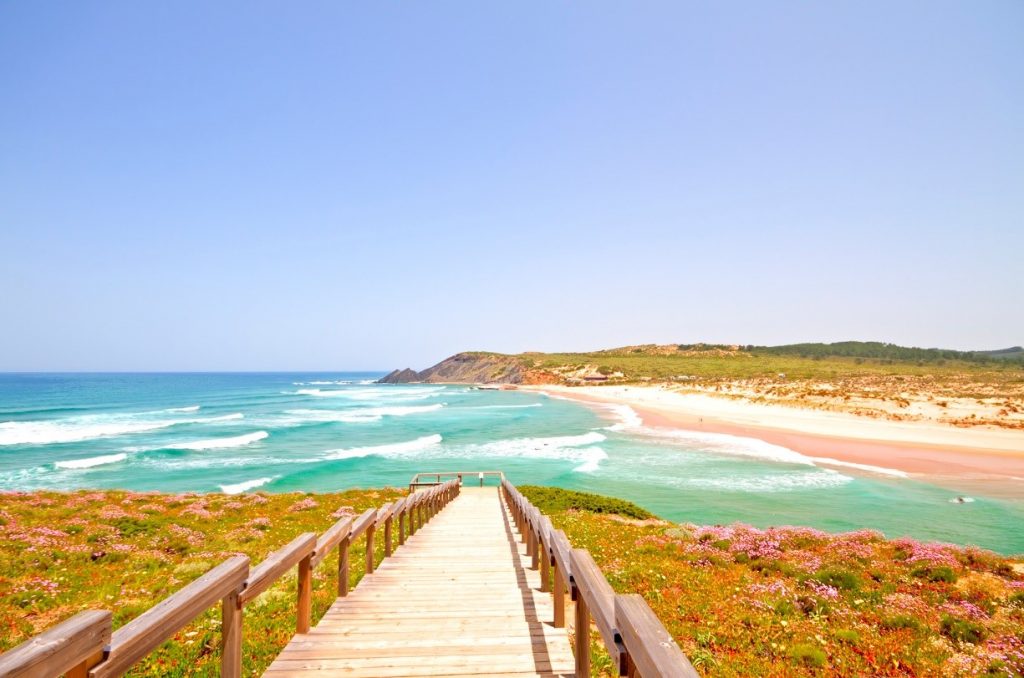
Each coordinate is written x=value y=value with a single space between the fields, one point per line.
x=971 y=459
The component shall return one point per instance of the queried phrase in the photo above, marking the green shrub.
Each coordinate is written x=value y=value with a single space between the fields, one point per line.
x=841 y=579
x=901 y=621
x=809 y=655
x=848 y=636
x=1017 y=599
x=962 y=630
x=552 y=499
x=941 y=573
x=131 y=527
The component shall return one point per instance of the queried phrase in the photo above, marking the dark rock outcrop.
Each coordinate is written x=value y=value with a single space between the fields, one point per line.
x=466 y=368
x=400 y=377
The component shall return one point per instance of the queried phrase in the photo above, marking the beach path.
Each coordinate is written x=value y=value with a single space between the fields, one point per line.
x=457 y=599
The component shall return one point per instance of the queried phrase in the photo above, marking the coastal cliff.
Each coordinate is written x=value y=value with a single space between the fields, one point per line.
x=871 y=379
x=467 y=368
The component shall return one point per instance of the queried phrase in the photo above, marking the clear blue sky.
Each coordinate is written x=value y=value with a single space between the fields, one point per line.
x=267 y=185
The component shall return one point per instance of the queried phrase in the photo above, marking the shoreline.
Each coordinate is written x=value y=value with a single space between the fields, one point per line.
x=990 y=462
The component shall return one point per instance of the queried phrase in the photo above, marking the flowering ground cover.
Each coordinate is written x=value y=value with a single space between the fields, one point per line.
x=740 y=601
x=797 y=601
x=124 y=551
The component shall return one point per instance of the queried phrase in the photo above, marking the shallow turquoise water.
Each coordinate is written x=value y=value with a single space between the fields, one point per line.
x=317 y=432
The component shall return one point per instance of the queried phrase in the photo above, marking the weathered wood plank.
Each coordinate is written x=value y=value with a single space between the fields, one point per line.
x=137 y=638
x=61 y=648
x=331 y=538
x=276 y=564
x=651 y=648
x=456 y=599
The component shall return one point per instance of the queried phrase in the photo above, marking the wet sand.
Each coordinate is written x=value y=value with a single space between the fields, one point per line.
x=995 y=471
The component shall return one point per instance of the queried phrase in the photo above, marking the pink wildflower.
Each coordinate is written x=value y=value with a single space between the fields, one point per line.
x=304 y=505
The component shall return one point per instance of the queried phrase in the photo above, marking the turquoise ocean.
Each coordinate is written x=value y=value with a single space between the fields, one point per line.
x=284 y=432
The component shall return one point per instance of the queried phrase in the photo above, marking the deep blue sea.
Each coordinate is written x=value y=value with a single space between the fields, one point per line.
x=329 y=431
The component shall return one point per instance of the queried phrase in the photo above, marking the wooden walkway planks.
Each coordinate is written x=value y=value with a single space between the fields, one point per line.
x=457 y=599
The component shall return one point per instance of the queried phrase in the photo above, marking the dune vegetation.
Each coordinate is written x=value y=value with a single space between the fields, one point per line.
x=787 y=601
x=740 y=600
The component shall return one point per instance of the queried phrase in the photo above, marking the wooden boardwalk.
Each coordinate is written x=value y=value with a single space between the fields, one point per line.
x=479 y=588
x=457 y=599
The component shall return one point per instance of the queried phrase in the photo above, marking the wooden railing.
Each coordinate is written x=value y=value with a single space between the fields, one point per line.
x=471 y=477
x=84 y=645
x=637 y=642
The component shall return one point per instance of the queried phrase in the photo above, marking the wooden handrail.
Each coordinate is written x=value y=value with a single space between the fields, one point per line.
x=384 y=512
x=276 y=564
x=655 y=652
x=331 y=538
x=592 y=590
x=140 y=636
x=456 y=475
x=635 y=638
x=85 y=645
x=67 y=646
x=362 y=523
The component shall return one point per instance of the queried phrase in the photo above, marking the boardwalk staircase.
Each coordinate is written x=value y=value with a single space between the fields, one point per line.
x=475 y=581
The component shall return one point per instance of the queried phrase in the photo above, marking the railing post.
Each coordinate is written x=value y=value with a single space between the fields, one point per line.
x=369 y=547
x=401 y=526
x=82 y=670
x=559 y=601
x=343 y=567
x=387 y=537
x=231 y=636
x=582 y=632
x=304 y=607
x=545 y=568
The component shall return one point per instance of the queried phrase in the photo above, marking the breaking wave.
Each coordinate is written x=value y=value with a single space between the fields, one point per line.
x=773 y=482
x=238 y=488
x=387 y=450
x=219 y=443
x=87 y=427
x=356 y=416
x=628 y=418
x=880 y=470
x=723 y=443
x=91 y=461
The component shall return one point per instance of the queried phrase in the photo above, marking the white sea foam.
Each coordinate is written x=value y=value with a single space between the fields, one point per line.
x=628 y=418
x=881 y=470
x=341 y=382
x=771 y=482
x=238 y=488
x=595 y=455
x=409 y=447
x=501 y=407
x=87 y=427
x=380 y=393
x=356 y=416
x=219 y=443
x=175 y=410
x=91 y=461
x=962 y=500
x=578 y=448
x=722 y=443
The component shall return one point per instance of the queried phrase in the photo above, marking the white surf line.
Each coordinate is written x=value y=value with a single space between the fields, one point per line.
x=880 y=470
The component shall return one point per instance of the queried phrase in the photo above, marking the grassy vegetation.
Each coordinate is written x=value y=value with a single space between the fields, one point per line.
x=712 y=362
x=125 y=551
x=741 y=601
x=554 y=499
x=798 y=602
